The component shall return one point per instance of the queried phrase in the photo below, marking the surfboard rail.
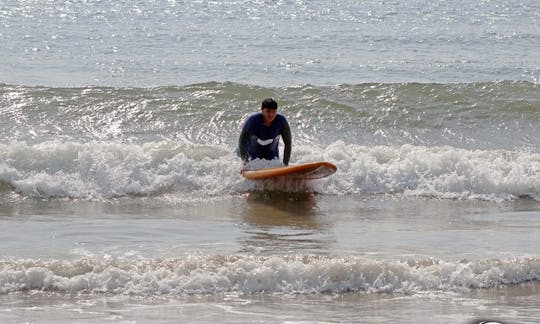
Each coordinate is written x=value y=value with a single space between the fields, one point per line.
x=305 y=171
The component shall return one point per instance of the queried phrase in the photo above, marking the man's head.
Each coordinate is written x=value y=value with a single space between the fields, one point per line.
x=269 y=103
x=269 y=109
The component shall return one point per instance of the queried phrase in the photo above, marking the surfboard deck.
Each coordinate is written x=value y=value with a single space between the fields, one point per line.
x=306 y=171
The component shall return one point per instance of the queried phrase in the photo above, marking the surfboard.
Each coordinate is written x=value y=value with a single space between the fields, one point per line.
x=306 y=171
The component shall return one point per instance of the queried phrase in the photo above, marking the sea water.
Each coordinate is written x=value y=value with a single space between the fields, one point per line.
x=120 y=193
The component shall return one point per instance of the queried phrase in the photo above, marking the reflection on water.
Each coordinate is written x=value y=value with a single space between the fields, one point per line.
x=279 y=222
x=277 y=208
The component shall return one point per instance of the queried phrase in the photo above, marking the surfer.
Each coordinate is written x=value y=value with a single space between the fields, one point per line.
x=260 y=135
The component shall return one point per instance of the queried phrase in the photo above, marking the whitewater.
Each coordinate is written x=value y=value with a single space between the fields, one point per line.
x=121 y=198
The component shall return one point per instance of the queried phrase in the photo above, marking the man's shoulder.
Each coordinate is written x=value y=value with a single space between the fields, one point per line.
x=281 y=119
x=256 y=116
x=253 y=118
x=252 y=121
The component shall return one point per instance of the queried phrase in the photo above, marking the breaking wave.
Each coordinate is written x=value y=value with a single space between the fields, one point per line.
x=102 y=170
x=214 y=274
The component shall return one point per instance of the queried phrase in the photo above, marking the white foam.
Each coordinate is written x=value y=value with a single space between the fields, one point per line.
x=211 y=274
x=107 y=169
x=444 y=172
x=261 y=164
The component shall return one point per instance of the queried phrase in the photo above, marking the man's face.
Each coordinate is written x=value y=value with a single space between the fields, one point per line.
x=268 y=114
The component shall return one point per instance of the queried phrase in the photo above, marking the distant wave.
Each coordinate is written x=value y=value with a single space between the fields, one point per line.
x=485 y=115
x=102 y=170
x=459 y=141
x=215 y=274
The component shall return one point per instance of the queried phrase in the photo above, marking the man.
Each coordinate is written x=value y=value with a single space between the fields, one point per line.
x=260 y=135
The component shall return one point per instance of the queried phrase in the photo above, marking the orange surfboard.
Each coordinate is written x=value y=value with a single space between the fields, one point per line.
x=314 y=170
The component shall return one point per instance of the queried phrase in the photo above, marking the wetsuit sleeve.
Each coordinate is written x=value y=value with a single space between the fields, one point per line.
x=287 y=140
x=242 y=145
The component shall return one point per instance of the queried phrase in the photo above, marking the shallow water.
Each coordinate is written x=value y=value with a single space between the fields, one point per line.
x=120 y=193
x=241 y=259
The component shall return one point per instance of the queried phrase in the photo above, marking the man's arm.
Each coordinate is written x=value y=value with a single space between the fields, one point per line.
x=287 y=140
x=242 y=145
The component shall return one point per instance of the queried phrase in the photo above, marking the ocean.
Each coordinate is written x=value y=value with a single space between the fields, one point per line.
x=121 y=198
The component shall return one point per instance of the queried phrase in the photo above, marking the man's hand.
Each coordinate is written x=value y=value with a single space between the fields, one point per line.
x=245 y=165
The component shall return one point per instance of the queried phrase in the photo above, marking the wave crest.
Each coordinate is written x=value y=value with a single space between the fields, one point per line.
x=103 y=170
x=443 y=172
x=215 y=274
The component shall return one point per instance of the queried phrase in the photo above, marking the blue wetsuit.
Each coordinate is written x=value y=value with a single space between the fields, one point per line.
x=260 y=141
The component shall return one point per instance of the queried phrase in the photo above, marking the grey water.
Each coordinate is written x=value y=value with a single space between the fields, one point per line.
x=120 y=193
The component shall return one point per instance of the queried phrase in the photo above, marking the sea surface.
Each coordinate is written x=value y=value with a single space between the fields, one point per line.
x=121 y=199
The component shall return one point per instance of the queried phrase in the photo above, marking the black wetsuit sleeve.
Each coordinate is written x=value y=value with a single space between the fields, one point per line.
x=287 y=140
x=242 y=145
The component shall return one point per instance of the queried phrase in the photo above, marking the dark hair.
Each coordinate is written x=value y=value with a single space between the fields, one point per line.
x=269 y=103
